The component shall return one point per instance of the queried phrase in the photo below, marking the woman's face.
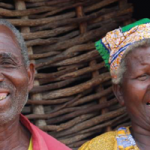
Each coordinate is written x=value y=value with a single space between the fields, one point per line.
x=134 y=91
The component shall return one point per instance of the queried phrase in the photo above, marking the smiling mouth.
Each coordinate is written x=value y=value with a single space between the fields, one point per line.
x=3 y=96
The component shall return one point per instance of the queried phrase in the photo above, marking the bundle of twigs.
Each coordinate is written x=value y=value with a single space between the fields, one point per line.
x=72 y=97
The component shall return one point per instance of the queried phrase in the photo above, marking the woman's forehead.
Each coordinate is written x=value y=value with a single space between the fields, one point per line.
x=139 y=56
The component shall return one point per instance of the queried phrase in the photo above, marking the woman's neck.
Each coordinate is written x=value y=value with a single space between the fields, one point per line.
x=141 y=136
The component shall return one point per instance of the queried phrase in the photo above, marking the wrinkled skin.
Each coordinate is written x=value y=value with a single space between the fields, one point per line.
x=16 y=80
x=134 y=93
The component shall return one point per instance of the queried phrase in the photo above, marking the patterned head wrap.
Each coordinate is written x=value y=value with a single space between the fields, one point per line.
x=114 y=44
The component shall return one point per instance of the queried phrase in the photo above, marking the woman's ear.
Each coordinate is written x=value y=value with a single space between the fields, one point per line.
x=31 y=73
x=118 y=93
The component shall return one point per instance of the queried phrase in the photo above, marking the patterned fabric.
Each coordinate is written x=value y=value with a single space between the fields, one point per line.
x=125 y=140
x=114 y=44
x=114 y=140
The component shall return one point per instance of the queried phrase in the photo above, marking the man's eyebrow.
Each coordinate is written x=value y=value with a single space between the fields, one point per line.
x=9 y=56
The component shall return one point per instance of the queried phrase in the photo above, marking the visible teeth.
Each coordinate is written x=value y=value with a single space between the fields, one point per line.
x=3 y=96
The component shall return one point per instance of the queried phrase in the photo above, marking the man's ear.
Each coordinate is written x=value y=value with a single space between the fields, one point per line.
x=118 y=93
x=31 y=73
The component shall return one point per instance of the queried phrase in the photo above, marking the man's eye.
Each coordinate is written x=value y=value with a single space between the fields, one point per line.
x=143 y=77
x=7 y=64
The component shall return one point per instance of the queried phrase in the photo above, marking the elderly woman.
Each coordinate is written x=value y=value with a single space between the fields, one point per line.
x=128 y=52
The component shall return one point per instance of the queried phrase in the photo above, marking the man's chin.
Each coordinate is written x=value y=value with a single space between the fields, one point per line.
x=8 y=117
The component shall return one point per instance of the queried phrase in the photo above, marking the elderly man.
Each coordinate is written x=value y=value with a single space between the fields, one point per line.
x=16 y=80
x=128 y=52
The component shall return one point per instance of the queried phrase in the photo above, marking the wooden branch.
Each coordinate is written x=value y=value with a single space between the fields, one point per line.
x=50 y=102
x=78 y=88
x=53 y=86
x=66 y=54
x=46 y=81
x=46 y=78
x=79 y=59
x=37 y=56
x=91 y=122
x=75 y=138
x=58 y=113
x=122 y=3
x=44 y=2
x=109 y=123
x=76 y=21
x=102 y=15
x=92 y=97
x=73 y=100
x=99 y=5
x=83 y=111
x=5 y=5
x=82 y=71
x=77 y=144
x=58 y=73
x=51 y=40
x=50 y=13
x=27 y=12
x=113 y=14
x=76 y=112
x=47 y=33
x=42 y=21
x=42 y=42
x=89 y=36
x=32 y=0
x=69 y=123
x=75 y=121
x=80 y=13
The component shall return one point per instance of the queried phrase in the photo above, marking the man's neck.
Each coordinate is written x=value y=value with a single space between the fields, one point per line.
x=13 y=136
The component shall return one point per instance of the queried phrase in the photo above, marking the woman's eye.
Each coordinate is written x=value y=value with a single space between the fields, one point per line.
x=143 y=77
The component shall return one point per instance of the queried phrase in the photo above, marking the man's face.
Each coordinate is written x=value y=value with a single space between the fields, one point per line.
x=15 y=79
x=135 y=87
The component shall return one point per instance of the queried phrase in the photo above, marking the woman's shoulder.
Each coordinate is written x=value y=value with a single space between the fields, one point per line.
x=102 y=142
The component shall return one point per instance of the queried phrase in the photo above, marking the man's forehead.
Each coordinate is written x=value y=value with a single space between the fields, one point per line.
x=6 y=35
x=4 y=30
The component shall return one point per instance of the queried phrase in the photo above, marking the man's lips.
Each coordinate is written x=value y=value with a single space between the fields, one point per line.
x=3 y=93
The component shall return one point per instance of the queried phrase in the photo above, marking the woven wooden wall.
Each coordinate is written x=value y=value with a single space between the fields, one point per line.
x=72 y=97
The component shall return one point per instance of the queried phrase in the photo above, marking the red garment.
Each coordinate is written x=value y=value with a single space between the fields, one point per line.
x=40 y=139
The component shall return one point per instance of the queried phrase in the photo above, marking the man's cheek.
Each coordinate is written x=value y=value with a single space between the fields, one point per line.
x=19 y=79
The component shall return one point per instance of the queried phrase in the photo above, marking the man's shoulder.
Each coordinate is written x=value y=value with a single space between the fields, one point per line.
x=51 y=141
x=42 y=139
x=102 y=142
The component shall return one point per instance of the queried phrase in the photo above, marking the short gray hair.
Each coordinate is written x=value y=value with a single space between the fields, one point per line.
x=122 y=68
x=19 y=39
